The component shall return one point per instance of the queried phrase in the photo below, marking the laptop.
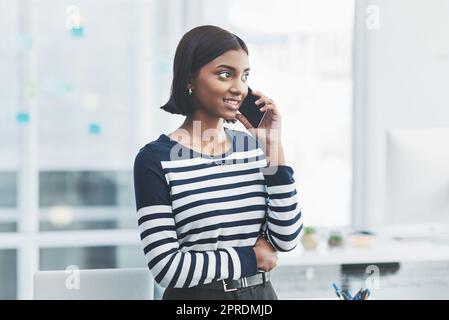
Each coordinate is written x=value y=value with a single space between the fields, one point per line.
x=96 y=284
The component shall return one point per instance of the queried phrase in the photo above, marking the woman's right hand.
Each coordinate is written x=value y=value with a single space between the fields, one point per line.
x=266 y=255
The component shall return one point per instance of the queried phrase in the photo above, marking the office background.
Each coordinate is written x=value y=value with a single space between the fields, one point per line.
x=81 y=83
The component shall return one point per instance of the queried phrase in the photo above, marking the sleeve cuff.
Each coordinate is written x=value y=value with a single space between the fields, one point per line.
x=248 y=261
x=282 y=176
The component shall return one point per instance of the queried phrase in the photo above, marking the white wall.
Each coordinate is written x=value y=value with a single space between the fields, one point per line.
x=401 y=80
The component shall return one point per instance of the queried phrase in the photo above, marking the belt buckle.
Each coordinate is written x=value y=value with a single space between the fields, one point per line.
x=225 y=288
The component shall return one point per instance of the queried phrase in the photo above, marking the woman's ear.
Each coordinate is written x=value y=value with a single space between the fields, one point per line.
x=190 y=84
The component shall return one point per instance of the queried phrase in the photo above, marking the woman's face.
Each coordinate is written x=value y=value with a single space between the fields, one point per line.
x=221 y=80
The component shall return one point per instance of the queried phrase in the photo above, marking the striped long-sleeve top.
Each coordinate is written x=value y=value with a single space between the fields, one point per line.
x=199 y=216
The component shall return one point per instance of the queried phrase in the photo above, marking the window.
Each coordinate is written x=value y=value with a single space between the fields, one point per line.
x=95 y=90
x=9 y=91
x=8 y=201
x=300 y=54
x=99 y=257
x=74 y=200
x=8 y=274
x=87 y=86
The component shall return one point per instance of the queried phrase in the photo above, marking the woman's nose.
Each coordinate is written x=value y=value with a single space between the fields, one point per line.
x=238 y=87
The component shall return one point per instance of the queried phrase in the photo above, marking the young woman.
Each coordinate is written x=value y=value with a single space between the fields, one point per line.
x=212 y=223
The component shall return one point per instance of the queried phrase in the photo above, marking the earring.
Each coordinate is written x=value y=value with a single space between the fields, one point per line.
x=190 y=91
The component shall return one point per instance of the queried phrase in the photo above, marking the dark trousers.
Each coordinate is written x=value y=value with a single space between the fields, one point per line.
x=259 y=292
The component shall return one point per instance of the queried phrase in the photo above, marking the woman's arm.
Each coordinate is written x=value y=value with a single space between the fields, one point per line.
x=284 y=214
x=169 y=265
x=284 y=223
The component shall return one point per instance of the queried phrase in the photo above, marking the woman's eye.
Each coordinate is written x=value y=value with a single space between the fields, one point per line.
x=245 y=76
x=226 y=72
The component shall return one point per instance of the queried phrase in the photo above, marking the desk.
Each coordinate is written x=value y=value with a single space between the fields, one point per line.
x=327 y=265
x=383 y=250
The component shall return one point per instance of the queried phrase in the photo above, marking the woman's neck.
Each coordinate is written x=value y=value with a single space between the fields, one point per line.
x=205 y=130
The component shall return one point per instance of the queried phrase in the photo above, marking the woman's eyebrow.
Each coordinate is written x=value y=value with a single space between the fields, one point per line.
x=229 y=67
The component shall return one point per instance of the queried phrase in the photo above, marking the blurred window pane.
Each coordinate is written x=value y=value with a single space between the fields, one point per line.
x=86 y=200
x=87 y=84
x=105 y=257
x=301 y=56
x=88 y=113
x=8 y=189
x=101 y=188
x=88 y=88
x=8 y=201
x=11 y=45
x=8 y=274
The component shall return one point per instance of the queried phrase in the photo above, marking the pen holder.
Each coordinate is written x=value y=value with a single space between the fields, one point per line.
x=362 y=294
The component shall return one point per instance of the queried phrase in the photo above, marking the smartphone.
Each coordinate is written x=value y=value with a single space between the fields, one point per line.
x=251 y=110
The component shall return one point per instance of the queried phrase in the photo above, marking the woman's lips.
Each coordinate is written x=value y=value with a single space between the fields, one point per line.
x=232 y=106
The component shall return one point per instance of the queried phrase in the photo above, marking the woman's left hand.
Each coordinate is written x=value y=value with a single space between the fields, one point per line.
x=270 y=128
x=269 y=132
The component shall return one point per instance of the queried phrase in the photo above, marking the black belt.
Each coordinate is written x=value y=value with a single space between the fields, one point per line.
x=232 y=285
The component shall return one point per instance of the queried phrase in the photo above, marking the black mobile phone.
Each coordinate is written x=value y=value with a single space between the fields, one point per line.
x=251 y=110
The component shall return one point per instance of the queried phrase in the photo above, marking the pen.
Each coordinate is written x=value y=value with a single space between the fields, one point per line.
x=367 y=293
x=363 y=295
x=346 y=295
x=337 y=291
x=358 y=295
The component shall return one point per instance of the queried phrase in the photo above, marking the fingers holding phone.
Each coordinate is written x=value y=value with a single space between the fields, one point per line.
x=249 y=112
x=258 y=111
x=260 y=116
x=273 y=116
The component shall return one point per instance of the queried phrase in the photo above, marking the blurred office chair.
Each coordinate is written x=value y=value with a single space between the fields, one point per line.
x=96 y=284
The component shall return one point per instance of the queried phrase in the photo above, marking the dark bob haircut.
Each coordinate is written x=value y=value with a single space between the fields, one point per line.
x=197 y=48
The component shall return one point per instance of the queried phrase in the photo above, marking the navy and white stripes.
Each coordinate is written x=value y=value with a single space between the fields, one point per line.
x=199 y=219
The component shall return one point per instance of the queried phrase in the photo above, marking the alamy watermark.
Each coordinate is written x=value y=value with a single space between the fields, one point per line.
x=268 y=141
x=373 y=280
x=372 y=21
x=72 y=281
